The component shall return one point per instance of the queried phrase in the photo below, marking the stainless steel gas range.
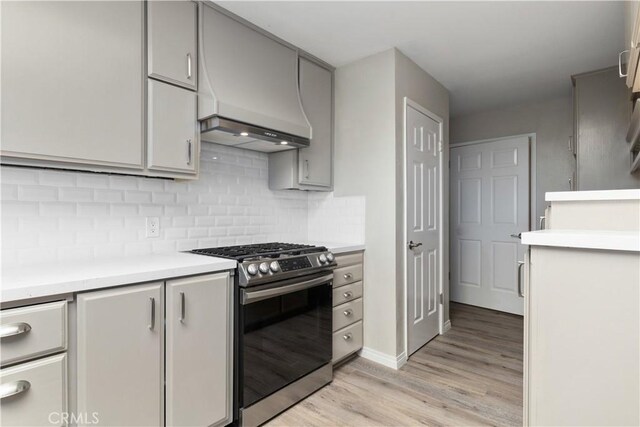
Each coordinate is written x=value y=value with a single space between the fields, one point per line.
x=283 y=325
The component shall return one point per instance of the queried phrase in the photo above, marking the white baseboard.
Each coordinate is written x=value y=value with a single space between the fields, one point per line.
x=394 y=362
x=446 y=326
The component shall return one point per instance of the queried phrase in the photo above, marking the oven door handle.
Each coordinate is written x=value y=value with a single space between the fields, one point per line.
x=249 y=297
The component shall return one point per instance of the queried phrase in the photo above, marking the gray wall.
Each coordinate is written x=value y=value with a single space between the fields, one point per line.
x=603 y=110
x=551 y=121
x=369 y=161
x=364 y=165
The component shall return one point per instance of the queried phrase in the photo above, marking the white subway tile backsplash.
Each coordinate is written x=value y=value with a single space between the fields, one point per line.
x=50 y=215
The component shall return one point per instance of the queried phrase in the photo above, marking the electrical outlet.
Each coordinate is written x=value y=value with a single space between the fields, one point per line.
x=153 y=226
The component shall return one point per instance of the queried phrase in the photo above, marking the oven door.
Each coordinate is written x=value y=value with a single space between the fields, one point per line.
x=286 y=334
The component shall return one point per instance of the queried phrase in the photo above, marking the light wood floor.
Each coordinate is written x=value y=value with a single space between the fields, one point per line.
x=472 y=375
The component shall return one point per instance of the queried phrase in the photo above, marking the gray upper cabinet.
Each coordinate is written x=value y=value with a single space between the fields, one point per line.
x=199 y=361
x=172 y=129
x=309 y=168
x=172 y=47
x=72 y=83
x=120 y=349
x=316 y=91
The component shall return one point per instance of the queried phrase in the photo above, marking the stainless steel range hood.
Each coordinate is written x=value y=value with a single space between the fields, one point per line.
x=230 y=132
x=248 y=93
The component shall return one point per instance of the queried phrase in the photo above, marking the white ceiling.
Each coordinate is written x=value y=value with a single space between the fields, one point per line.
x=488 y=54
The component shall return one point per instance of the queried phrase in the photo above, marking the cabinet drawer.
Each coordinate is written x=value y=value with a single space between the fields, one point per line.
x=346 y=314
x=345 y=275
x=43 y=399
x=347 y=341
x=33 y=331
x=349 y=259
x=347 y=293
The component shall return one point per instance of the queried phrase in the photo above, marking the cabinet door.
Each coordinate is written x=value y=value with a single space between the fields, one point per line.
x=120 y=355
x=316 y=92
x=72 y=82
x=172 y=128
x=199 y=342
x=172 y=31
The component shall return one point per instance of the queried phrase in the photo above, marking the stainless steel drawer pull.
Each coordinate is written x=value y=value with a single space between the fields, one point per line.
x=152 y=321
x=182 y=308
x=189 y=66
x=11 y=389
x=348 y=276
x=14 y=329
x=347 y=336
x=520 y=290
x=348 y=294
x=620 y=73
x=189 y=151
x=348 y=312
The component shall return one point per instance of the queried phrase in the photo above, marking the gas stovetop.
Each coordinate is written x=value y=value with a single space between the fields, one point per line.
x=258 y=250
x=269 y=262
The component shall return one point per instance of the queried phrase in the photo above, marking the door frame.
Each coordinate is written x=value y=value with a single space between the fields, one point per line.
x=441 y=211
x=532 y=169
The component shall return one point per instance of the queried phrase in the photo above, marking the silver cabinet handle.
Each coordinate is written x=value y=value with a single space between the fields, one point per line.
x=306 y=167
x=189 y=151
x=347 y=336
x=189 y=66
x=152 y=320
x=348 y=276
x=348 y=294
x=414 y=245
x=182 y=308
x=16 y=387
x=14 y=329
x=620 y=63
x=570 y=184
x=348 y=312
x=543 y=221
x=520 y=290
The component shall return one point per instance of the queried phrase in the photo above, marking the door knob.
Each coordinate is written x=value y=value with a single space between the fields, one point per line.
x=414 y=245
x=516 y=236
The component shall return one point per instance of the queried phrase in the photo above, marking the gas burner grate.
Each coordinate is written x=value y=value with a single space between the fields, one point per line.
x=273 y=249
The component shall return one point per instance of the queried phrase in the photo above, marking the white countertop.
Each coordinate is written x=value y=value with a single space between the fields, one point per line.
x=339 y=248
x=32 y=281
x=561 y=196
x=585 y=239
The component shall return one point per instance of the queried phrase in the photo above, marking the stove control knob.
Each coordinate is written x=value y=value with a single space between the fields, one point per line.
x=274 y=266
x=330 y=257
x=322 y=258
x=264 y=268
x=252 y=269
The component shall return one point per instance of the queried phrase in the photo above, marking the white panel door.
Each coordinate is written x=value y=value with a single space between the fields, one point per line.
x=489 y=204
x=424 y=145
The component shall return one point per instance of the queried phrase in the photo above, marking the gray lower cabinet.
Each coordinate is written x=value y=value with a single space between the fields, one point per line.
x=137 y=366
x=120 y=352
x=33 y=378
x=198 y=351
x=73 y=84
x=347 y=305
x=172 y=31
x=309 y=168
x=35 y=393
x=172 y=129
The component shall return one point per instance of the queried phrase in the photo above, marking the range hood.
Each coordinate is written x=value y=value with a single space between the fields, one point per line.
x=248 y=93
